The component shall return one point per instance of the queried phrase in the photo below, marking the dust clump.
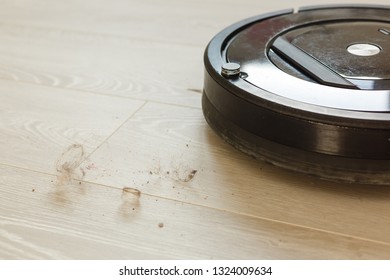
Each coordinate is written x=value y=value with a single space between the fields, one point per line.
x=156 y=170
x=67 y=165
x=184 y=175
x=160 y=225
x=68 y=171
x=181 y=172
x=191 y=175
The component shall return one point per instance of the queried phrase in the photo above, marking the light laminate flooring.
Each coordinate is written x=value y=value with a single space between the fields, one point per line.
x=105 y=154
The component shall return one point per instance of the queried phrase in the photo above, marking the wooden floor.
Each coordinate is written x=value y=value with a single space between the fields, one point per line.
x=105 y=154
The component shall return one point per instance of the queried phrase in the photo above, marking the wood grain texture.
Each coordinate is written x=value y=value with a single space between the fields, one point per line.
x=108 y=65
x=85 y=221
x=38 y=124
x=160 y=147
x=171 y=21
x=184 y=22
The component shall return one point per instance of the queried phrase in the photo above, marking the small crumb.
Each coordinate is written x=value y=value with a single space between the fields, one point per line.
x=133 y=191
x=150 y=172
x=80 y=183
x=191 y=175
x=33 y=190
x=167 y=172
x=160 y=225
x=187 y=145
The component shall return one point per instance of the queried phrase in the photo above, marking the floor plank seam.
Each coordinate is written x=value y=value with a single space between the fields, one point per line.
x=97 y=34
x=109 y=136
x=176 y=105
x=26 y=169
x=216 y=209
x=74 y=90
x=248 y=215
x=101 y=94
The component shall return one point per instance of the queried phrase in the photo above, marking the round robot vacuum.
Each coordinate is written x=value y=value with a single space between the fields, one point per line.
x=307 y=90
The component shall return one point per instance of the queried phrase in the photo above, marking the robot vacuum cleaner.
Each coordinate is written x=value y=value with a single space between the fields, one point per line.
x=307 y=90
